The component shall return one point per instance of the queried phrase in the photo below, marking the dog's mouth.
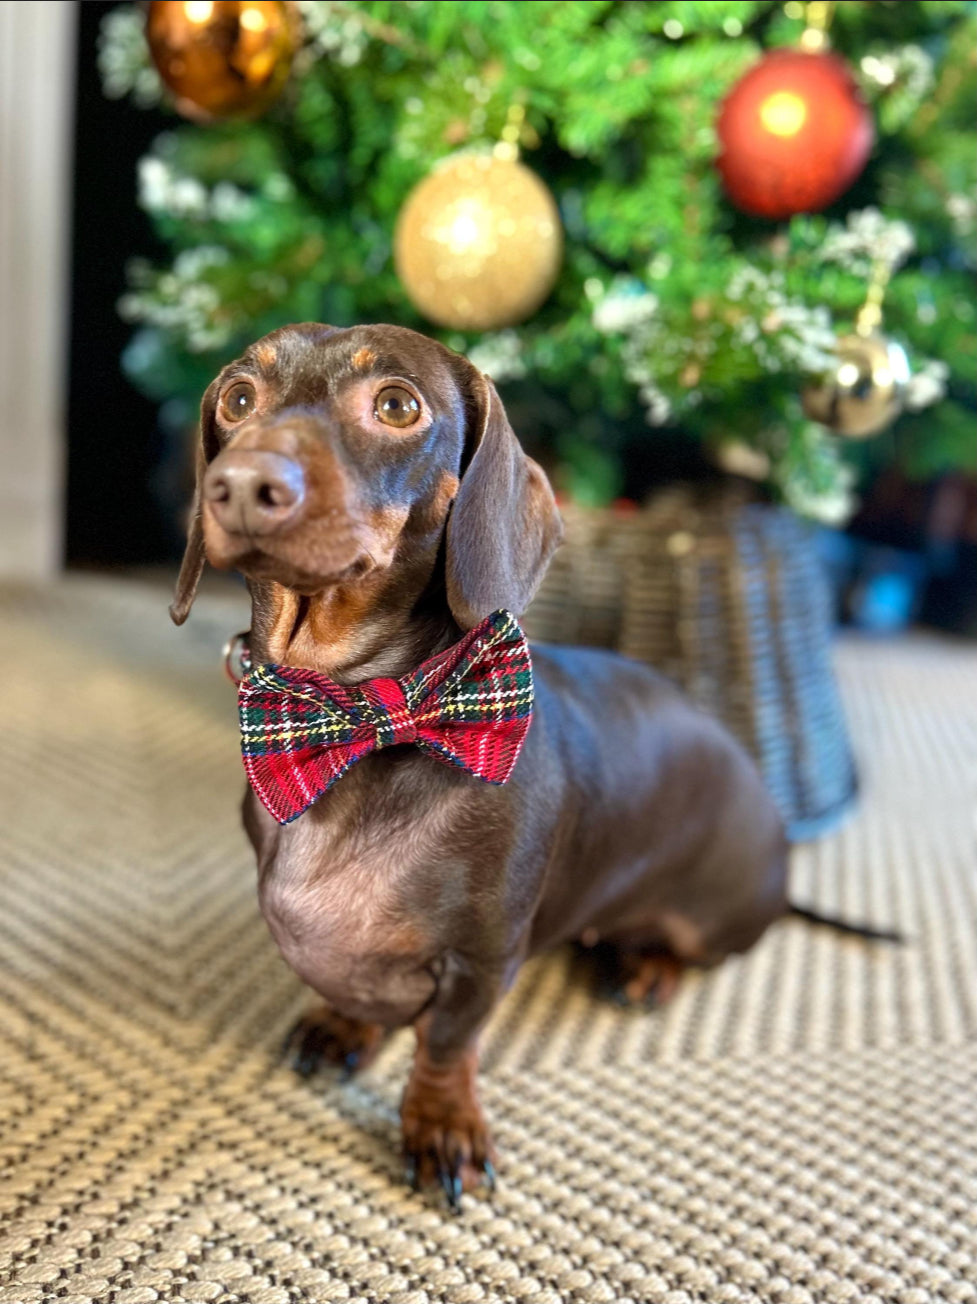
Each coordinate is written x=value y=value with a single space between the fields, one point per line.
x=305 y=555
x=260 y=565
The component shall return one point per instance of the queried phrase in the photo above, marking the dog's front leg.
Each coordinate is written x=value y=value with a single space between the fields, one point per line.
x=446 y=1137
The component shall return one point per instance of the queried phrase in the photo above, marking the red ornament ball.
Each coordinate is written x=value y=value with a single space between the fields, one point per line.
x=795 y=133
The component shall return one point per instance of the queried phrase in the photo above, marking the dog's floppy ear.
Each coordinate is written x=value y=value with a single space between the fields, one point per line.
x=193 y=557
x=504 y=525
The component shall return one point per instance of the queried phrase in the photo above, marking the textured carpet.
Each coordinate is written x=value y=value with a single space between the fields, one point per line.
x=798 y=1127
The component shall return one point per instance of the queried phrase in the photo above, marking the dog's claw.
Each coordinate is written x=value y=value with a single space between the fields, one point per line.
x=449 y=1177
x=288 y=1039
x=324 y=1037
x=307 y=1057
x=457 y=1185
x=312 y=1047
x=451 y=1182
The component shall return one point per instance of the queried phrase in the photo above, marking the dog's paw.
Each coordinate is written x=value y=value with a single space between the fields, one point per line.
x=648 y=981
x=324 y=1037
x=446 y=1143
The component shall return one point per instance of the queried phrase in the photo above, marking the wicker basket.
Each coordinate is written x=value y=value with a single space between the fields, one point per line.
x=727 y=598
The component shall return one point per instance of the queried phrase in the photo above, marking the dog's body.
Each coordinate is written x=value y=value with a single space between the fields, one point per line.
x=411 y=892
x=411 y=871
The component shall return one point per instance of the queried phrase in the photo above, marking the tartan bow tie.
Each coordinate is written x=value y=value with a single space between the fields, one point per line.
x=469 y=706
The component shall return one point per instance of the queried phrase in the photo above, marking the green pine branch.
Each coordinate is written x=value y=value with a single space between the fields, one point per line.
x=673 y=312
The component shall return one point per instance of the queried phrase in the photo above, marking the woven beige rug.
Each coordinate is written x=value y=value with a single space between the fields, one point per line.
x=799 y=1127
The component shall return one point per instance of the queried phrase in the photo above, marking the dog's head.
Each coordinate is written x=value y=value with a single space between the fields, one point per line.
x=339 y=457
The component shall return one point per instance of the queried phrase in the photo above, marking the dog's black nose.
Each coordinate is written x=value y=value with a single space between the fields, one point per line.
x=254 y=492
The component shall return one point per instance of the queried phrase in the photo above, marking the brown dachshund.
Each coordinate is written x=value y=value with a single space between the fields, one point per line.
x=368 y=485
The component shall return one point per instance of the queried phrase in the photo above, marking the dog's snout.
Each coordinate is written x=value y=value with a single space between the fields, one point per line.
x=254 y=492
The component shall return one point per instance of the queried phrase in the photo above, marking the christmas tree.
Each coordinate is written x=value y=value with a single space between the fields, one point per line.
x=674 y=313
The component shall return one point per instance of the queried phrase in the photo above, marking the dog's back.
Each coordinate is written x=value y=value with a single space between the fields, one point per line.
x=682 y=814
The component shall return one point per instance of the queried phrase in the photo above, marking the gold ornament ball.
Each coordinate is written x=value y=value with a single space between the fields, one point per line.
x=222 y=58
x=478 y=243
x=865 y=389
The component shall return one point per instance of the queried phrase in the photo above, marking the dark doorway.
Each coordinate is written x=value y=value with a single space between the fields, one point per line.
x=113 y=517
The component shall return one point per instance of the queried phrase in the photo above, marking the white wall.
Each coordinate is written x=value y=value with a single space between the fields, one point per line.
x=36 y=88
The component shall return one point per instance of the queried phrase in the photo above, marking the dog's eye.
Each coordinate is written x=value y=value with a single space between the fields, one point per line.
x=396 y=406
x=238 y=402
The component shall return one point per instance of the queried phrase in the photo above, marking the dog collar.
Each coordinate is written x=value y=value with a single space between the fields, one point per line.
x=236 y=656
x=470 y=706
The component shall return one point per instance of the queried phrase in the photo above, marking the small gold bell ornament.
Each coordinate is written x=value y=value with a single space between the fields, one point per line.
x=864 y=391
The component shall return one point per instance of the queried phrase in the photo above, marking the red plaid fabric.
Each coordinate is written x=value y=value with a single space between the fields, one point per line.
x=469 y=706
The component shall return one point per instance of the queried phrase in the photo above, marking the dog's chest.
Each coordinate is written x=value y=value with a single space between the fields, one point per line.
x=345 y=910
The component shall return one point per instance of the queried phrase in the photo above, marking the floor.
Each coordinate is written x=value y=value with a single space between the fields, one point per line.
x=797 y=1127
